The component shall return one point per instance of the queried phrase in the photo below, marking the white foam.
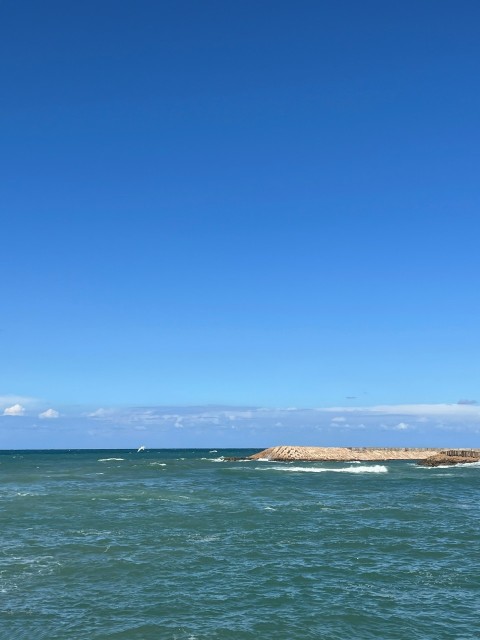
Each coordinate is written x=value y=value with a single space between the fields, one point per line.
x=376 y=468
x=220 y=459
x=459 y=464
x=210 y=538
x=110 y=459
x=158 y=464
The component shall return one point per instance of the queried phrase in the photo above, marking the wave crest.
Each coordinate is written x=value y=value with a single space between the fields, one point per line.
x=375 y=468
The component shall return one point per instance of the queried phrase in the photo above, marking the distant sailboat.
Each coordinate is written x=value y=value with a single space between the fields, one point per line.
x=141 y=448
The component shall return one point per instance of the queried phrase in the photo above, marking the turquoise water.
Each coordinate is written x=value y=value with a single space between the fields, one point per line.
x=174 y=544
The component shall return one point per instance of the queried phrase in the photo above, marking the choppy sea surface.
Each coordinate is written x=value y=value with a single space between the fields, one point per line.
x=182 y=545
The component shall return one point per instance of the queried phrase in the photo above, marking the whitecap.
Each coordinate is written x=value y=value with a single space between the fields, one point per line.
x=468 y=464
x=110 y=459
x=208 y=538
x=376 y=468
x=158 y=464
x=463 y=465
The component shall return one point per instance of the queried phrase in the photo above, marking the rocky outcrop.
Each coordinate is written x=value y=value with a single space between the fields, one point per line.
x=342 y=454
x=452 y=457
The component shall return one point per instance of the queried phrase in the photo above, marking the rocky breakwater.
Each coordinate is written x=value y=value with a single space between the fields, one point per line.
x=342 y=454
x=452 y=457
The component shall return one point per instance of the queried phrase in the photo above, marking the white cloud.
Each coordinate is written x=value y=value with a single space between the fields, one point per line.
x=101 y=413
x=400 y=426
x=339 y=419
x=14 y=410
x=48 y=414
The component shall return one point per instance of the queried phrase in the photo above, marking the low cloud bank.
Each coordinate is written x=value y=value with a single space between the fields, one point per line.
x=439 y=425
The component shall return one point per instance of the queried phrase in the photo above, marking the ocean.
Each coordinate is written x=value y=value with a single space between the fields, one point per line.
x=182 y=545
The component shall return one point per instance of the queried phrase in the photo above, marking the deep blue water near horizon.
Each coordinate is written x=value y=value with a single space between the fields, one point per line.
x=181 y=545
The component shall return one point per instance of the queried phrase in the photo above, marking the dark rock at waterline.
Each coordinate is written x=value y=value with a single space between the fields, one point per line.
x=451 y=458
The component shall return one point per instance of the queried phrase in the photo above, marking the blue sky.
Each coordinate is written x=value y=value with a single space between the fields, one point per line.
x=251 y=204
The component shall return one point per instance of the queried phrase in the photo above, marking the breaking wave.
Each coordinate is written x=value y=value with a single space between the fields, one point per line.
x=463 y=465
x=376 y=468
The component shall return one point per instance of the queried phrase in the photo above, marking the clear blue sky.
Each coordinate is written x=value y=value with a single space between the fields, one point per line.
x=258 y=203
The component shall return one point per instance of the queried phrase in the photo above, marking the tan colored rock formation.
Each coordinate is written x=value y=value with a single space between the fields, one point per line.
x=342 y=454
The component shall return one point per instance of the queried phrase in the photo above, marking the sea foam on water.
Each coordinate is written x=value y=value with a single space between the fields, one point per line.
x=376 y=468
